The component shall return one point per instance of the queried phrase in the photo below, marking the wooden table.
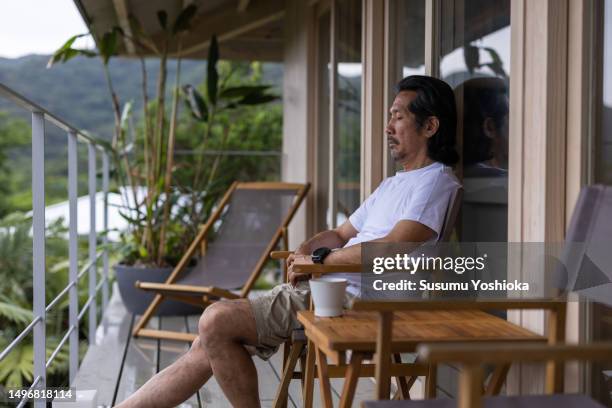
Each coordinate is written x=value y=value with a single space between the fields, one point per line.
x=355 y=331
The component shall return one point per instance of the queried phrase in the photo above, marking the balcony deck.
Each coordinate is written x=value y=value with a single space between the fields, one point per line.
x=119 y=364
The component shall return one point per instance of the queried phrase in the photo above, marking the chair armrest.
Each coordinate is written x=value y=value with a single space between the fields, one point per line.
x=187 y=289
x=323 y=269
x=280 y=254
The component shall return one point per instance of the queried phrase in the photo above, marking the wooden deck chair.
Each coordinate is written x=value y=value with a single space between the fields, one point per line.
x=472 y=357
x=294 y=348
x=248 y=224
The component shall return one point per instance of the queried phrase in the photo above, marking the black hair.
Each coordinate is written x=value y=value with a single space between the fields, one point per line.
x=434 y=98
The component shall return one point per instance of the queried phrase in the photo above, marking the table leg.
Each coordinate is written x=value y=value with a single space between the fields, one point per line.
x=350 y=380
x=402 y=383
x=431 y=381
x=497 y=380
x=324 y=379
x=309 y=375
x=470 y=387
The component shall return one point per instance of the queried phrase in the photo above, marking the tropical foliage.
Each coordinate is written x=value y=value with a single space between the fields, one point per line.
x=160 y=219
x=183 y=166
x=16 y=369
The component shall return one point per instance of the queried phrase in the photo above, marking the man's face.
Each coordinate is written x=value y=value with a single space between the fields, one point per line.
x=406 y=141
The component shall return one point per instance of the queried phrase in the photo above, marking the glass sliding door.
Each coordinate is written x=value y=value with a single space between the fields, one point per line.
x=347 y=44
x=601 y=315
x=322 y=165
x=338 y=111
x=407 y=48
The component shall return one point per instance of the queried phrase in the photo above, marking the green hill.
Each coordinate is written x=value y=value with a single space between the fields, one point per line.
x=77 y=92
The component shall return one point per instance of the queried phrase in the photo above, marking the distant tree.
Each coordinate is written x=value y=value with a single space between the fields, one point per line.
x=14 y=133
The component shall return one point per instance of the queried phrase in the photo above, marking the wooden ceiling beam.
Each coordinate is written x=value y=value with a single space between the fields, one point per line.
x=228 y=24
x=121 y=10
x=239 y=49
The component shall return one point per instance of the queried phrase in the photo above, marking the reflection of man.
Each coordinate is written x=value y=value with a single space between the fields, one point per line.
x=485 y=159
x=408 y=207
x=485 y=127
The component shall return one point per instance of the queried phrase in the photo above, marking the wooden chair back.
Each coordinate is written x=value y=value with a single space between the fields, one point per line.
x=300 y=191
x=452 y=211
x=473 y=356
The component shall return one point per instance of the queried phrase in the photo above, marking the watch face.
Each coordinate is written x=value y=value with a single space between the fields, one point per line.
x=319 y=254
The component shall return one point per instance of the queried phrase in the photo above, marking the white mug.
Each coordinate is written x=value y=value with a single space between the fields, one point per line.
x=328 y=296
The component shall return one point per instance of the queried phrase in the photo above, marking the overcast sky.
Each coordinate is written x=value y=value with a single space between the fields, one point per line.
x=37 y=26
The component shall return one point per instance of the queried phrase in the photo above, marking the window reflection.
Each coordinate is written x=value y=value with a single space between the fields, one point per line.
x=407 y=36
x=485 y=127
x=475 y=61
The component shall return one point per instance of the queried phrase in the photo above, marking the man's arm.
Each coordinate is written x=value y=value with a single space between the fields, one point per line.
x=407 y=231
x=334 y=238
x=411 y=232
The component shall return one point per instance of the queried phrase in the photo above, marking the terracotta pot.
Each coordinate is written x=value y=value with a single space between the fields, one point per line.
x=136 y=300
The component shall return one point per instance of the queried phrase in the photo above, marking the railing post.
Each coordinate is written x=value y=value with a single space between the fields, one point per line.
x=38 y=247
x=91 y=158
x=73 y=294
x=105 y=175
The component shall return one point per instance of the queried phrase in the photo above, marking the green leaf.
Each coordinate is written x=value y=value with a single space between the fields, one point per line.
x=59 y=266
x=196 y=103
x=257 y=99
x=242 y=91
x=108 y=45
x=472 y=57
x=129 y=219
x=162 y=17
x=212 y=78
x=15 y=313
x=142 y=251
x=183 y=21
x=19 y=364
x=497 y=65
x=66 y=52
x=57 y=55
x=125 y=114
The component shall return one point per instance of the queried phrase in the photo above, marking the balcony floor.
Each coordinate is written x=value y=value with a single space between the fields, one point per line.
x=118 y=364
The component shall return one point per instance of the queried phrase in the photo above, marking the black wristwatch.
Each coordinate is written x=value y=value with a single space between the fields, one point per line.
x=319 y=255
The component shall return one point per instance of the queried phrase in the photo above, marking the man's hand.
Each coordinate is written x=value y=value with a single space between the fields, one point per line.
x=298 y=259
x=298 y=253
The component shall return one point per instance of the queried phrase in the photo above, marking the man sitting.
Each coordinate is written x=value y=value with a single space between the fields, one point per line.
x=408 y=207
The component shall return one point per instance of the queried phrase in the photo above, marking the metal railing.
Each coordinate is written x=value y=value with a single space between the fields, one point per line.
x=39 y=117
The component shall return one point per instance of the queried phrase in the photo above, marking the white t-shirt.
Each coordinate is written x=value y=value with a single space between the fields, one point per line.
x=420 y=195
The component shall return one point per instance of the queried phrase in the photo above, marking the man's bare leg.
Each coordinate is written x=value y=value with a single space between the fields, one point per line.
x=225 y=327
x=175 y=383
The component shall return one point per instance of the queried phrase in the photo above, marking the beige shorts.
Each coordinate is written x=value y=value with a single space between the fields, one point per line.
x=276 y=315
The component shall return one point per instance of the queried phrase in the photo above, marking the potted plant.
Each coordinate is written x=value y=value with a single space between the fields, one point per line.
x=163 y=215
